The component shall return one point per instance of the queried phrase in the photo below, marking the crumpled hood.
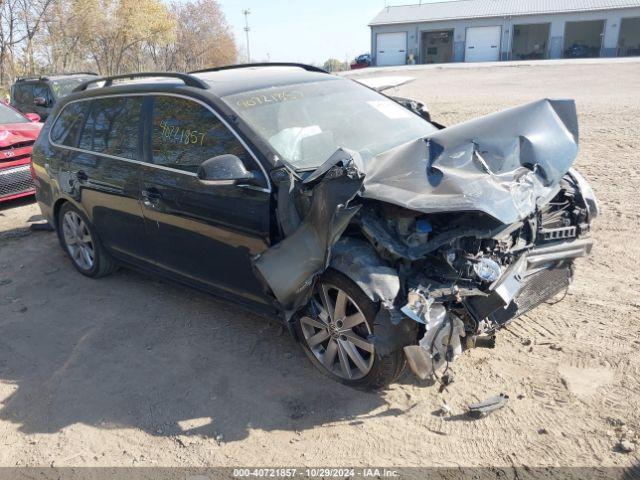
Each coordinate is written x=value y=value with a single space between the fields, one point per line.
x=12 y=133
x=503 y=164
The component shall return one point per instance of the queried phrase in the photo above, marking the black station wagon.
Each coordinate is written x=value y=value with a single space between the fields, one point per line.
x=381 y=239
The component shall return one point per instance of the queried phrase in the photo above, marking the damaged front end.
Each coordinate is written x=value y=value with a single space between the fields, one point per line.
x=453 y=235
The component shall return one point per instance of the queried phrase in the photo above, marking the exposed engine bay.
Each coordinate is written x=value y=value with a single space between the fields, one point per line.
x=455 y=235
x=465 y=276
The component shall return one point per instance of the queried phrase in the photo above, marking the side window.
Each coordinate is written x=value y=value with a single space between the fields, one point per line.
x=42 y=90
x=185 y=134
x=69 y=123
x=113 y=127
x=23 y=93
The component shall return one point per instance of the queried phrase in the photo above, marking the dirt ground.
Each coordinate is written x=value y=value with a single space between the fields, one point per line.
x=131 y=371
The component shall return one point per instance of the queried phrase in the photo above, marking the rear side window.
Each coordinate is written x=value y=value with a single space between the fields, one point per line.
x=113 y=127
x=23 y=93
x=185 y=134
x=69 y=123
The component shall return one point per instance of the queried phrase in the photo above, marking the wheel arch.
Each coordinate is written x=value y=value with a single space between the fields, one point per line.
x=56 y=210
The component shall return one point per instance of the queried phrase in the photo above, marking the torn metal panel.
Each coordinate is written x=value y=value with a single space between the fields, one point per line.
x=289 y=267
x=392 y=331
x=502 y=164
x=441 y=342
x=359 y=261
x=288 y=216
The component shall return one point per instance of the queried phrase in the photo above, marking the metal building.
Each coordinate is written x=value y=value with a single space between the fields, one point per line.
x=493 y=30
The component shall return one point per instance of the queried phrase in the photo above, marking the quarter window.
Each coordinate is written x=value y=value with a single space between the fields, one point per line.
x=69 y=123
x=23 y=93
x=113 y=127
x=185 y=134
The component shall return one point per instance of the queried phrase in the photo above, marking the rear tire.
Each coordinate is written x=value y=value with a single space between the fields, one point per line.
x=79 y=239
x=336 y=338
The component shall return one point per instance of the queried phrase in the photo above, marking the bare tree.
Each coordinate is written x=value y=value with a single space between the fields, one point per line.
x=20 y=20
x=111 y=36
x=203 y=38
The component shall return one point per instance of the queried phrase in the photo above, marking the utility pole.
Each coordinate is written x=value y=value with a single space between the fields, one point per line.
x=246 y=29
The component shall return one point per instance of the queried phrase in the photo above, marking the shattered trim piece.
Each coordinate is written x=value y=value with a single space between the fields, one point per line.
x=484 y=408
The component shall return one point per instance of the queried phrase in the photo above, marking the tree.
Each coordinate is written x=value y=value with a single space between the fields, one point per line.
x=111 y=36
x=203 y=39
x=123 y=27
x=335 y=65
x=20 y=20
x=63 y=42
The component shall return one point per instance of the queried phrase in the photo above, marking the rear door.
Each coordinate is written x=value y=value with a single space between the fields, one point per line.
x=22 y=96
x=203 y=234
x=104 y=170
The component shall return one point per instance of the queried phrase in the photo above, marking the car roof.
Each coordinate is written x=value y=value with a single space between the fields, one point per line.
x=72 y=76
x=247 y=79
x=217 y=82
x=55 y=78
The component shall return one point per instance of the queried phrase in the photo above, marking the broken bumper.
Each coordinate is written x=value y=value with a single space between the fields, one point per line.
x=559 y=251
x=535 y=278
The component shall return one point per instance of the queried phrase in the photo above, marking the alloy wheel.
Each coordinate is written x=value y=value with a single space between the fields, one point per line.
x=337 y=333
x=78 y=240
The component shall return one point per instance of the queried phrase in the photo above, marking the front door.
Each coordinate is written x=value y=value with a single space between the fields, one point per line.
x=41 y=91
x=204 y=234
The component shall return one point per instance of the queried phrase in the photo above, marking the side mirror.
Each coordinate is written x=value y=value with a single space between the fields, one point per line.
x=40 y=102
x=34 y=117
x=224 y=170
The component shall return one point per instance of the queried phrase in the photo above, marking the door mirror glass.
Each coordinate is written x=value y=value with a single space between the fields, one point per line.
x=34 y=117
x=40 y=102
x=224 y=170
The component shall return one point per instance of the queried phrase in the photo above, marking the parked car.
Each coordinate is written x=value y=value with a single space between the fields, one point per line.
x=38 y=94
x=375 y=236
x=18 y=132
x=361 y=61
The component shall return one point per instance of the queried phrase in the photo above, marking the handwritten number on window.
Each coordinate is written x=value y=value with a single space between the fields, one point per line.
x=184 y=136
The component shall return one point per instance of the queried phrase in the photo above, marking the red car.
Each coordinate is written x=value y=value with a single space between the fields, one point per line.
x=18 y=132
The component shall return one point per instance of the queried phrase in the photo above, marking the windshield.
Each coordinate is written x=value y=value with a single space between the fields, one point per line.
x=64 y=87
x=9 y=115
x=306 y=123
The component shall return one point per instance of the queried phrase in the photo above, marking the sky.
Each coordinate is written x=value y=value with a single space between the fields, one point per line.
x=306 y=31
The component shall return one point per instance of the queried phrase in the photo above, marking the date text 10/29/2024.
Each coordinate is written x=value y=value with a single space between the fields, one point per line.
x=314 y=473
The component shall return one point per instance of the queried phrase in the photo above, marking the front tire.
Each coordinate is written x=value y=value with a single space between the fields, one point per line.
x=79 y=239
x=336 y=331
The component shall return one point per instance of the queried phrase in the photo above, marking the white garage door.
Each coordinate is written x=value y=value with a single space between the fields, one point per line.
x=483 y=44
x=392 y=49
